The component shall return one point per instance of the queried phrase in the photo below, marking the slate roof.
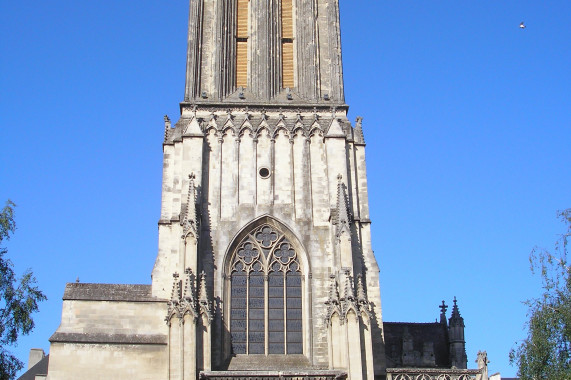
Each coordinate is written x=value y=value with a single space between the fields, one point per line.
x=420 y=332
x=40 y=368
x=109 y=292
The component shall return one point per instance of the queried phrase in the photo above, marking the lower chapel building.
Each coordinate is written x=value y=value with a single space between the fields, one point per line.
x=264 y=267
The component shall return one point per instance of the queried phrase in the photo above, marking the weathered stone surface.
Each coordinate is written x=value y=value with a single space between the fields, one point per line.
x=109 y=292
x=259 y=182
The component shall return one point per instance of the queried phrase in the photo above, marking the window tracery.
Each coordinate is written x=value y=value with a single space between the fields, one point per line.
x=266 y=295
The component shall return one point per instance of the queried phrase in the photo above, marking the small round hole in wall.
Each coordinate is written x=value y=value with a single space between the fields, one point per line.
x=264 y=172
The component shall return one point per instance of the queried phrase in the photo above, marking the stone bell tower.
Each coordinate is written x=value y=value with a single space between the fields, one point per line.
x=264 y=267
x=264 y=236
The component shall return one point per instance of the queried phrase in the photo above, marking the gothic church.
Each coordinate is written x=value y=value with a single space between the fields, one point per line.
x=264 y=267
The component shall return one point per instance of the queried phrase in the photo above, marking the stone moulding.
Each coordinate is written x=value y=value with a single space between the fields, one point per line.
x=258 y=106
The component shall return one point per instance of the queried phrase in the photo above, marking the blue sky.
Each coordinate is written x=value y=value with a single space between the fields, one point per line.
x=466 y=116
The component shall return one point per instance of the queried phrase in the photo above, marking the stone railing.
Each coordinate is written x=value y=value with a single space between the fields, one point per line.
x=432 y=374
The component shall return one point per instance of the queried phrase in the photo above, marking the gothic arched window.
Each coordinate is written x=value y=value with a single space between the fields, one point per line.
x=265 y=295
x=287 y=43
x=242 y=44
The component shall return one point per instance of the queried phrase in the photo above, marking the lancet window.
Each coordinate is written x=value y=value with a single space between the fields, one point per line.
x=285 y=40
x=266 y=295
x=287 y=43
x=242 y=44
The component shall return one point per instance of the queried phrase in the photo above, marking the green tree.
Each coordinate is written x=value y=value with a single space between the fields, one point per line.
x=18 y=299
x=546 y=351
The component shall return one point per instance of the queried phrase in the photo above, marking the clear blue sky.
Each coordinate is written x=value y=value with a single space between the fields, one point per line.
x=467 y=120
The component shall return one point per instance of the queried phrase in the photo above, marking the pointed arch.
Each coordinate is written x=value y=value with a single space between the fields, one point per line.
x=211 y=130
x=265 y=269
x=229 y=126
x=316 y=128
x=261 y=128
x=281 y=127
x=277 y=224
x=299 y=130
x=246 y=124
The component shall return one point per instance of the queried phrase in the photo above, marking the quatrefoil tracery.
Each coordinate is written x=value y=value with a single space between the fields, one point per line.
x=265 y=250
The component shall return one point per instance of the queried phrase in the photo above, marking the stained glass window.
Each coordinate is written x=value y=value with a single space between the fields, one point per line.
x=266 y=295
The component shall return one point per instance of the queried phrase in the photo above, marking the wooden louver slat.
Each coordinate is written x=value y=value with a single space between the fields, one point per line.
x=287 y=19
x=287 y=65
x=242 y=19
x=287 y=43
x=242 y=44
x=242 y=64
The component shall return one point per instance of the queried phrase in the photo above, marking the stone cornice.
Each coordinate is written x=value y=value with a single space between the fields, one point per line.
x=259 y=106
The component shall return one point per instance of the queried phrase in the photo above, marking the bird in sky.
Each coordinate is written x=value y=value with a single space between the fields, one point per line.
x=521 y=25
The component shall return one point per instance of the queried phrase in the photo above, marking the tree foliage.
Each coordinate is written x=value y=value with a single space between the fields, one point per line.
x=546 y=352
x=18 y=299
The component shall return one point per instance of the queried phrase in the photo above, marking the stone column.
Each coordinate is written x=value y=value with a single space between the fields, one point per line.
x=354 y=346
x=189 y=349
x=175 y=348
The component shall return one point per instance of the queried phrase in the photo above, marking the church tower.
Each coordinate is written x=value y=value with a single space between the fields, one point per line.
x=264 y=266
x=264 y=234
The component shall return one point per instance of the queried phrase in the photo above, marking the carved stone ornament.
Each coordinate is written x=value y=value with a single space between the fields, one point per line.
x=190 y=219
x=183 y=300
x=349 y=301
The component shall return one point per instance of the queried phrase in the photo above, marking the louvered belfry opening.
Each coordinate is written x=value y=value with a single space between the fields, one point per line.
x=287 y=43
x=242 y=44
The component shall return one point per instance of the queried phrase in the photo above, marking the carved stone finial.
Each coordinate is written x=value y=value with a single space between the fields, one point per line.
x=229 y=115
x=456 y=319
x=167 y=127
x=482 y=359
x=361 y=295
x=348 y=294
x=333 y=295
x=176 y=291
x=455 y=310
x=443 y=309
x=333 y=304
x=343 y=219
x=188 y=291
x=203 y=303
x=189 y=221
x=358 y=131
